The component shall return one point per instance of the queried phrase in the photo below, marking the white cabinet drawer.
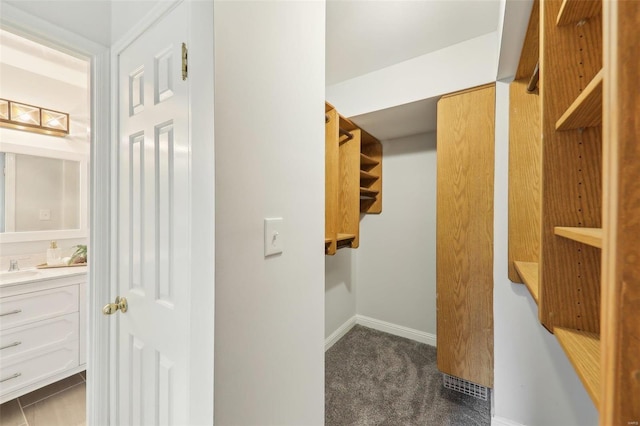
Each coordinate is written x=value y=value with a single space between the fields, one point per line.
x=26 y=371
x=25 y=340
x=37 y=306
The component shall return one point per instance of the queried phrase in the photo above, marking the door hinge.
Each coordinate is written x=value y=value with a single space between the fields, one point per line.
x=185 y=65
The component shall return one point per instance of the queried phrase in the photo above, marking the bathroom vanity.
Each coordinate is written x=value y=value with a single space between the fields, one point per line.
x=42 y=328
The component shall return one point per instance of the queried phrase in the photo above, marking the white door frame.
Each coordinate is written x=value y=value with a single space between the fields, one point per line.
x=101 y=287
x=99 y=280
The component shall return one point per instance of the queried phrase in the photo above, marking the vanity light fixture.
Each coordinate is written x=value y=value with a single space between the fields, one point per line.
x=16 y=115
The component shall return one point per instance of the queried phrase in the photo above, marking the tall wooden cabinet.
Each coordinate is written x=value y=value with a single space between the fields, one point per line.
x=582 y=156
x=353 y=180
x=464 y=240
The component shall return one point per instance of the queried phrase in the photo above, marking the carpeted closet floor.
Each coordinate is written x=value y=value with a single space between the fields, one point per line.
x=374 y=378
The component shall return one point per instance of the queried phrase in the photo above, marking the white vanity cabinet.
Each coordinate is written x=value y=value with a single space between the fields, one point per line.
x=41 y=330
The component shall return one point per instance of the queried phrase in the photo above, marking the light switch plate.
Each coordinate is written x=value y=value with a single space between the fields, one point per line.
x=45 y=214
x=273 y=236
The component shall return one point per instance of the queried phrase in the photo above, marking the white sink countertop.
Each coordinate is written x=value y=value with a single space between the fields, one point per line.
x=27 y=275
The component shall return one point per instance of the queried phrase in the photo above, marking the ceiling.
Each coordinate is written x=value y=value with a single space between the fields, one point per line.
x=404 y=120
x=36 y=58
x=361 y=37
x=89 y=18
x=365 y=36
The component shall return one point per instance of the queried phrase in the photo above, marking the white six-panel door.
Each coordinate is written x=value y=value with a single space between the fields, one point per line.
x=153 y=226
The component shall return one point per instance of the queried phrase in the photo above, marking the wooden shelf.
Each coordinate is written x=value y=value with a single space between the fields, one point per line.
x=366 y=192
x=586 y=110
x=529 y=273
x=345 y=240
x=587 y=177
x=368 y=161
x=367 y=176
x=353 y=180
x=371 y=178
x=589 y=236
x=573 y=11
x=583 y=350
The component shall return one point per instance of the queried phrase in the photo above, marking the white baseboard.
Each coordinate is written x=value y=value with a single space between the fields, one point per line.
x=501 y=421
x=397 y=330
x=341 y=331
x=387 y=327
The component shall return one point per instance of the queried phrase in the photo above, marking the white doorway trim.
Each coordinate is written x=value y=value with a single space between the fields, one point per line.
x=43 y=32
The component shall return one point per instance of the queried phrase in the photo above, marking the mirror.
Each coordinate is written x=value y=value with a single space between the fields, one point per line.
x=39 y=193
x=43 y=192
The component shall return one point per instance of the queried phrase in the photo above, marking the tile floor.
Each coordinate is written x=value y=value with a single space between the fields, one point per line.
x=61 y=403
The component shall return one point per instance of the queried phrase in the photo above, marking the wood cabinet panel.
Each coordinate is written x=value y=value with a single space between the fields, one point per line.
x=349 y=184
x=620 y=335
x=465 y=158
x=331 y=180
x=524 y=176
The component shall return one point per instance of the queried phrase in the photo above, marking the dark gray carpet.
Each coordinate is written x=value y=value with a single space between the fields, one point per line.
x=374 y=378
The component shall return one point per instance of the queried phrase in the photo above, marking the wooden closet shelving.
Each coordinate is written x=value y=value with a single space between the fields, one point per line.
x=573 y=11
x=581 y=170
x=367 y=161
x=364 y=175
x=590 y=236
x=370 y=175
x=524 y=166
x=368 y=193
x=583 y=350
x=528 y=271
x=586 y=110
x=353 y=179
x=571 y=95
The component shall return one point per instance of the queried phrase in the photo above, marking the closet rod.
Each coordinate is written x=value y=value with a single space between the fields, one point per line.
x=533 y=82
x=342 y=131
x=346 y=133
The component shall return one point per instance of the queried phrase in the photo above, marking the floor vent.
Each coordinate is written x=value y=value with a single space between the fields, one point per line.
x=465 y=387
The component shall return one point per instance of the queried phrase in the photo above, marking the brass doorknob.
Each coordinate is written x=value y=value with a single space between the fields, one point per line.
x=111 y=308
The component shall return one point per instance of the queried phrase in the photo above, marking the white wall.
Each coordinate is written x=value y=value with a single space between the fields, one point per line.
x=340 y=289
x=396 y=259
x=391 y=277
x=396 y=266
x=269 y=143
x=514 y=20
x=38 y=89
x=467 y=64
x=534 y=383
